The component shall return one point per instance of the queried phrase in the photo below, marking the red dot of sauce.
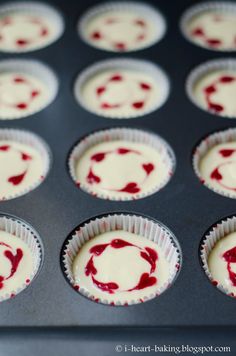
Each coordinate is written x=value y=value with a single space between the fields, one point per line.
x=14 y=259
x=44 y=32
x=98 y=157
x=215 y=174
x=22 y=106
x=90 y=268
x=96 y=35
x=25 y=156
x=226 y=152
x=216 y=107
x=214 y=42
x=198 y=32
x=118 y=243
x=100 y=90
x=130 y=188
x=92 y=178
x=230 y=257
x=138 y=104
x=123 y=151
x=148 y=167
x=120 y=46
x=4 y=148
x=144 y=282
x=34 y=93
x=116 y=78
x=141 y=37
x=21 y=42
x=210 y=89
x=106 y=287
x=16 y=180
x=226 y=79
x=140 y=22
x=145 y=86
x=19 y=80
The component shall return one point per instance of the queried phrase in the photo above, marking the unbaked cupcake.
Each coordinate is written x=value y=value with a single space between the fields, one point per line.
x=26 y=87
x=28 y=26
x=21 y=256
x=121 y=164
x=149 y=253
x=214 y=162
x=25 y=162
x=211 y=25
x=218 y=254
x=122 y=88
x=122 y=27
x=212 y=87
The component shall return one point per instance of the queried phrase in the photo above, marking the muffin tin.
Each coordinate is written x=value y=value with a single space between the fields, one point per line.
x=57 y=206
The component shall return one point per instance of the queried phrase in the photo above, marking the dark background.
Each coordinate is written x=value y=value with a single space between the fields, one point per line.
x=56 y=207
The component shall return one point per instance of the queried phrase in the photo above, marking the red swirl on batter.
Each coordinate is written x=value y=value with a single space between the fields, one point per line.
x=143 y=87
x=217 y=173
x=213 y=88
x=20 y=80
x=146 y=279
x=17 y=179
x=130 y=187
x=230 y=257
x=14 y=258
x=9 y=22
x=108 y=27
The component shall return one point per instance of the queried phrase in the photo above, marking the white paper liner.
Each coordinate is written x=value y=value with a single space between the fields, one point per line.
x=35 y=8
x=204 y=147
x=142 y=66
x=227 y=64
x=219 y=231
x=145 y=227
x=29 y=236
x=33 y=140
x=145 y=11
x=131 y=135
x=38 y=70
x=189 y=14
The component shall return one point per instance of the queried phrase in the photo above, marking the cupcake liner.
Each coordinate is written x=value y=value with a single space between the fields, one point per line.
x=33 y=140
x=228 y=64
x=217 y=232
x=145 y=227
x=38 y=70
x=145 y=11
x=131 y=135
x=142 y=66
x=189 y=14
x=28 y=235
x=201 y=150
x=35 y=8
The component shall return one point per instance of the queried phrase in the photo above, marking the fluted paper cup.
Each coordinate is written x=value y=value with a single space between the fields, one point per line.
x=146 y=228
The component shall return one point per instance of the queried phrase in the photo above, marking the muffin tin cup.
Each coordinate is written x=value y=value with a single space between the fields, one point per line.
x=203 y=69
x=201 y=150
x=38 y=70
x=29 y=236
x=141 y=9
x=141 y=66
x=130 y=135
x=145 y=227
x=34 y=8
x=224 y=7
x=34 y=141
x=217 y=232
